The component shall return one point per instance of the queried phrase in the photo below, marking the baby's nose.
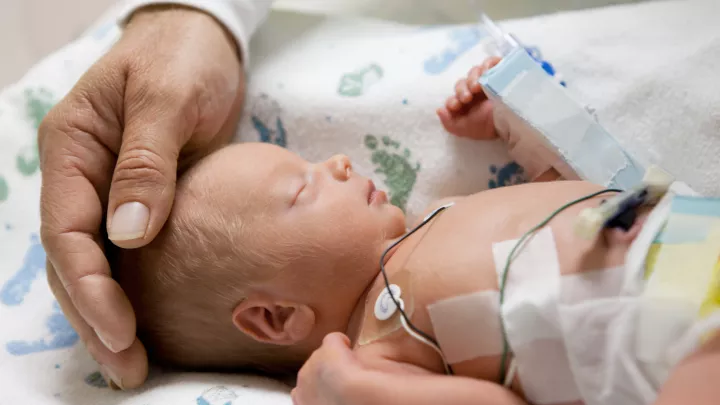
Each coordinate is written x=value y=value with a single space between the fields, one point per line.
x=340 y=167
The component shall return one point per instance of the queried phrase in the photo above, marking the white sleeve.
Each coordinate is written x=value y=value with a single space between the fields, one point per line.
x=240 y=17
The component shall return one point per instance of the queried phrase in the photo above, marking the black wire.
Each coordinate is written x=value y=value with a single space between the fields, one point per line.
x=387 y=282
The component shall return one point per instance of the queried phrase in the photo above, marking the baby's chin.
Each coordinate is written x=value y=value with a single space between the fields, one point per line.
x=397 y=223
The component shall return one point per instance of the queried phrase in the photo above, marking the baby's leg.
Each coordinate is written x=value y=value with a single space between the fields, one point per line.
x=696 y=379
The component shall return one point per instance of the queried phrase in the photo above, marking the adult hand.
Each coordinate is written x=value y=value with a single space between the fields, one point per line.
x=331 y=375
x=169 y=92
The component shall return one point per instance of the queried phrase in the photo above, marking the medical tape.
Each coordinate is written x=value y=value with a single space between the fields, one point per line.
x=531 y=320
x=591 y=285
x=467 y=326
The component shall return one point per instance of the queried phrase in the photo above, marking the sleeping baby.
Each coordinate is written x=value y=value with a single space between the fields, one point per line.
x=264 y=254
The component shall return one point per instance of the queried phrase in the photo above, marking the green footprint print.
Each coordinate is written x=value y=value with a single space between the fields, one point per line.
x=355 y=83
x=4 y=189
x=95 y=380
x=393 y=162
x=38 y=103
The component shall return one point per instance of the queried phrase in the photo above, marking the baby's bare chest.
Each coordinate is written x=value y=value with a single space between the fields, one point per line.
x=437 y=273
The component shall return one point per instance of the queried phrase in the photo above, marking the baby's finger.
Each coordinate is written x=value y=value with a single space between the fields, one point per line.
x=462 y=92
x=490 y=63
x=453 y=104
x=473 y=77
x=446 y=119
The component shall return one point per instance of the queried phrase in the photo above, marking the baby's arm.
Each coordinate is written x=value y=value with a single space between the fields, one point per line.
x=335 y=375
x=696 y=379
x=385 y=388
x=469 y=114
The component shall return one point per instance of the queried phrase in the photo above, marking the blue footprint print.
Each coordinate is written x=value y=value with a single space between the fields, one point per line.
x=14 y=290
x=267 y=122
x=60 y=335
x=506 y=175
x=217 y=396
x=276 y=136
x=462 y=40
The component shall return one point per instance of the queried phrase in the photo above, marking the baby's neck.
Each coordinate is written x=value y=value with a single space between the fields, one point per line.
x=356 y=318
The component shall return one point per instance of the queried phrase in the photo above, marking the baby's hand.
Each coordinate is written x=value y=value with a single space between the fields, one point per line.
x=468 y=113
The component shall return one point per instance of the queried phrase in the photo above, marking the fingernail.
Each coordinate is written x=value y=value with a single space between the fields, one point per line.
x=129 y=222
x=111 y=379
x=105 y=342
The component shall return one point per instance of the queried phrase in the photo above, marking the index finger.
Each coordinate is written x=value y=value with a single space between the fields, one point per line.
x=76 y=172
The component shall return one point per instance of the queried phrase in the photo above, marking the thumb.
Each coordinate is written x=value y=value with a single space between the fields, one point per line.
x=143 y=183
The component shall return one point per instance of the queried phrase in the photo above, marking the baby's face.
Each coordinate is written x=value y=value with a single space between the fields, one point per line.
x=327 y=222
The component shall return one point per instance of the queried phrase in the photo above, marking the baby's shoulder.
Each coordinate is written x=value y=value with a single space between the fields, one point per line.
x=439 y=203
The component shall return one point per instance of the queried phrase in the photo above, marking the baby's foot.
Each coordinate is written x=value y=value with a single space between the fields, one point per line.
x=468 y=113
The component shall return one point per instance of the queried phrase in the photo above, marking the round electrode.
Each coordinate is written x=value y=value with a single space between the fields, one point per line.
x=384 y=306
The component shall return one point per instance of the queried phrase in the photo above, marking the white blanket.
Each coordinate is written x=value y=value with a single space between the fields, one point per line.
x=367 y=89
x=651 y=72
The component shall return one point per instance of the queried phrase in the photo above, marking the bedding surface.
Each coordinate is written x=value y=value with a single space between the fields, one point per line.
x=321 y=86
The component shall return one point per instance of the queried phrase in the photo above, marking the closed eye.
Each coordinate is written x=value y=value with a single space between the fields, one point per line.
x=297 y=194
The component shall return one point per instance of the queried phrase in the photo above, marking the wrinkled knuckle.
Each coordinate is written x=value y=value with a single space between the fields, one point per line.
x=50 y=123
x=161 y=98
x=168 y=93
x=140 y=166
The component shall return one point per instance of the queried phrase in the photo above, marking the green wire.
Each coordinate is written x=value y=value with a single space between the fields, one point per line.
x=506 y=269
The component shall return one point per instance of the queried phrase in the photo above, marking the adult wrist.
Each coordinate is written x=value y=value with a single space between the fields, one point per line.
x=170 y=16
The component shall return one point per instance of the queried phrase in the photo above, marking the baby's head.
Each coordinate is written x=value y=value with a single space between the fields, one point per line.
x=262 y=256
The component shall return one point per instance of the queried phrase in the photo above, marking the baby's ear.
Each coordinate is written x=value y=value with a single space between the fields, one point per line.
x=276 y=322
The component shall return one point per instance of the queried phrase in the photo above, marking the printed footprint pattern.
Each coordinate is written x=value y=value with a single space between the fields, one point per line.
x=60 y=335
x=14 y=290
x=38 y=103
x=219 y=395
x=266 y=120
x=462 y=40
x=96 y=380
x=356 y=83
x=394 y=163
x=4 y=189
x=506 y=175
x=59 y=332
